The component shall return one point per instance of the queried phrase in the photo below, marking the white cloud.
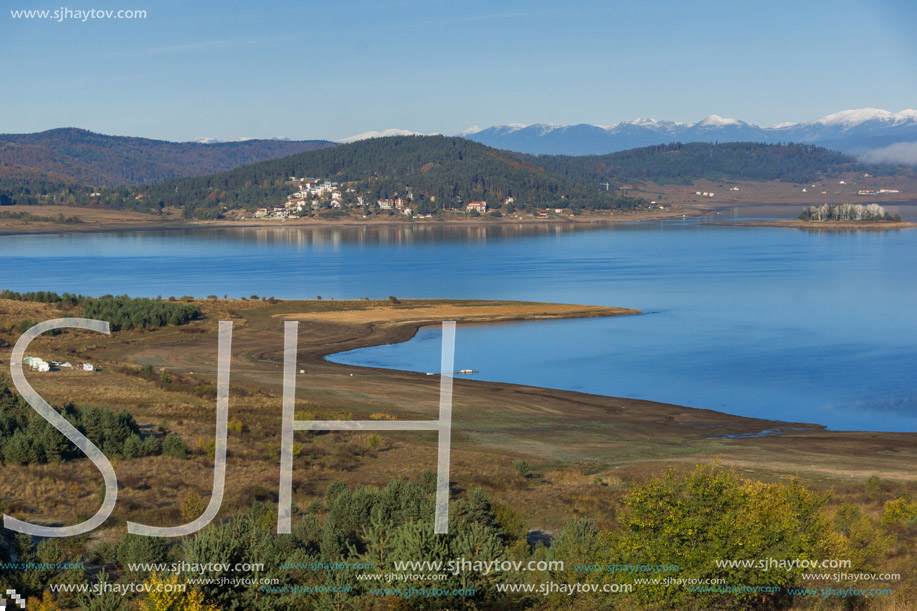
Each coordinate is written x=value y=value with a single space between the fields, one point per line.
x=901 y=152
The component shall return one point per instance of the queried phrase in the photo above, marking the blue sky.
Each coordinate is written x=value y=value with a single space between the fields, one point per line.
x=333 y=69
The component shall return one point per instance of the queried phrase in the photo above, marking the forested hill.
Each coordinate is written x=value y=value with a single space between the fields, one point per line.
x=76 y=155
x=439 y=172
x=684 y=163
x=433 y=173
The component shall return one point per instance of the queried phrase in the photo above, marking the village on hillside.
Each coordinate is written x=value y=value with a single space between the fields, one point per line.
x=314 y=194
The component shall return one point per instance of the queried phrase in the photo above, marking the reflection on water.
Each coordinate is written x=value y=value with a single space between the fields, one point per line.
x=397 y=234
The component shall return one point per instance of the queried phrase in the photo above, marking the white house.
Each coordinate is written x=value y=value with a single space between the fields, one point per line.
x=36 y=364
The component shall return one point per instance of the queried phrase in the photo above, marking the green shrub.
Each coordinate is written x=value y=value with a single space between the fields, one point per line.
x=133 y=447
x=899 y=511
x=174 y=446
x=137 y=549
x=121 y=312
x=124 y=312
x=856 y=537
x=710 y=514
x=235 y=425
x=27 y=438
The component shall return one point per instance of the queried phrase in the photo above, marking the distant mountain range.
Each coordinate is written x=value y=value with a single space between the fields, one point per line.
x=76 y=155
x=877 y=135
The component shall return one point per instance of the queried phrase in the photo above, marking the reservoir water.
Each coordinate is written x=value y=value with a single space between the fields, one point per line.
x=771 y=323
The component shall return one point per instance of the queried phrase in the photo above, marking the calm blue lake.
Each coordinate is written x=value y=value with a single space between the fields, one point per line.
x=771 y=323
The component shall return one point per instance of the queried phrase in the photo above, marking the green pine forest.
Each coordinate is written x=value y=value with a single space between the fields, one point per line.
x=437 y=173
x=440 y=172
x=684 y=163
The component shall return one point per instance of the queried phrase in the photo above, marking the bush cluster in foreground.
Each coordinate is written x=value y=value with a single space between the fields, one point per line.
x=690 y=520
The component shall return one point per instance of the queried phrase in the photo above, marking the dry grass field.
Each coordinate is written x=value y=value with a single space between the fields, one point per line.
x=837 y=190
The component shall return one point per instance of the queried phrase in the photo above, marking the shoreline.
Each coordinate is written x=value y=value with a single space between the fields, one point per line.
x=494 y=417
x=645 y=431
x=176 y=225
x=821 y=225
x=679 y=200
x=404 y=332
x=586 y=220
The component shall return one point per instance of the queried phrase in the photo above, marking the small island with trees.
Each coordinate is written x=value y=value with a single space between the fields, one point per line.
x=870 y=213
x=837 y=217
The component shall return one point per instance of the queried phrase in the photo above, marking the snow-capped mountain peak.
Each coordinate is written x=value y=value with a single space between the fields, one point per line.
x=512 y=128
x=548 y=127
x=206 y=140
x=645 y=123
x=641 y=122
x=849 y=118
x=469 y=132
x=509 y=128
x=852 y=118
x=717 y=121
x=382 y=134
